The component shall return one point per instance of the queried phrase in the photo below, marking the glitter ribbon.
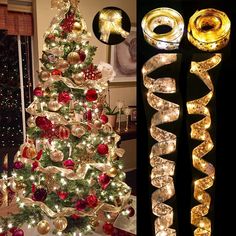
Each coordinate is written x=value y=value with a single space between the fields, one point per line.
x=209 y=29
x=110 y=22
x=163 y=16
x=199 y=132
x=163 y=169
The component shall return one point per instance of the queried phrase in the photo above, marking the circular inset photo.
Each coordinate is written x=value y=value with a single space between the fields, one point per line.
x=111 y=25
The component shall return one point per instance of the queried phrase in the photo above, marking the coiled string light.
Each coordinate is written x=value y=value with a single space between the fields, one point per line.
x=199 y=132
x=209 y=29
x=163 y=16
x=163 y=169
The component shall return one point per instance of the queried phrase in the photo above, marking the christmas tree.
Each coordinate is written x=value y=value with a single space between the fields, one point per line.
x=68 y=170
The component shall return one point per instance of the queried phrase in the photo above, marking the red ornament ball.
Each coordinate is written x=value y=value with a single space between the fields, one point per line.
x=69 y=164
x=92 y=200
x=13 y=229
x=18 y=165
x=102 y=149
x=51 y=37
x=40 y=194
x=91 y=95
x=103 y=180
x=81 y=205
x=131 y=211
x=104 y=119
x=18 y=232
x=38 y=92
x=43 y=123
x=82 y=56
x=108 y=228
x=64 y=97
x=62 y=195
x=56 y=72
x=3 y=234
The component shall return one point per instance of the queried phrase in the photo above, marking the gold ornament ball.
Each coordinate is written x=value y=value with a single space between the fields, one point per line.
x=77 y=131
x=57 y=156
x=43 y=227
x=113 y=172
x=77 y=27
x=73 y=57
x=62 y=64
x=44 y=75
x=98 y=124
x=60 y=223
x=79 y=78
x=54 y=105
x=31 y=122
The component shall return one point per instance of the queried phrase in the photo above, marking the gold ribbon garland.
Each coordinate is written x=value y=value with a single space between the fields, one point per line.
x=209 y=29
x=199 y=132
x=163 y=169
x=163 y=16
x=110 y=22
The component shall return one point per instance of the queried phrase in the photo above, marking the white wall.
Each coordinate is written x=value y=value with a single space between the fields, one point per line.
x=89 y=8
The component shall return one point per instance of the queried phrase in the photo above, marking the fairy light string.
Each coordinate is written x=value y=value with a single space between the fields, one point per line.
x=162 y=169
x=199 y=132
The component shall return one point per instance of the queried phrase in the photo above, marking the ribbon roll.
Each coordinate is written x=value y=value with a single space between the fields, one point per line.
x=110 y=22
x=163 y=169
x=199 y=132
x=163 y=16
x=209 y=29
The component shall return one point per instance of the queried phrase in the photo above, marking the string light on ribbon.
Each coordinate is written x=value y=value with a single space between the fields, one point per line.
x=163 y=169
x=163 y=16
x=199 y=132
x=209 y=29
x=110 y=22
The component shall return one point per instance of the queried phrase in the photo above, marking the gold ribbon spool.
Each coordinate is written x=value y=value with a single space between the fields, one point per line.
x=163 y=169
x=110 y=22
x=199 y=132
x=163 y=16
x=209 y=29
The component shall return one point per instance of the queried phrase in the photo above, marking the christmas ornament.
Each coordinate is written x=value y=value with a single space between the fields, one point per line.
x=92 y=73
x=113 y=172
x=131 y=211
x=56 y=72
x=52 y=58
x=28 y=151
x=44 y=76
x=69 y=164
x=54 y=105
x=75 y=217
x=40 y=194
x=73 y=58
x=79 y=78
x=91 y=95
x=81 y=205
x=35 y=165
x=31 y=122
x=57 y=156
x=64 y=97
x=38 y=92
x=62 y=65
x=64 y=132
x=88 y=115
x=50 y=37
x=43 y=123
x=43 y=227
x=92 y=200
x=103 y=180
x=108 y=228
x=82 y=55
x=60 y=223
x=18 y=232
x=77 y=27
x=98 y=124
x=18 y=165
x=104 y=119
x=102 y=149
x=4 y=233
x=77 y=131
x=62 y=195
x=12 y=229
x=68 y=23
x=39 y=155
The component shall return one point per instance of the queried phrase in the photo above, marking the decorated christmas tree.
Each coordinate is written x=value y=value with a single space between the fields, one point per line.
x=68 y=171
